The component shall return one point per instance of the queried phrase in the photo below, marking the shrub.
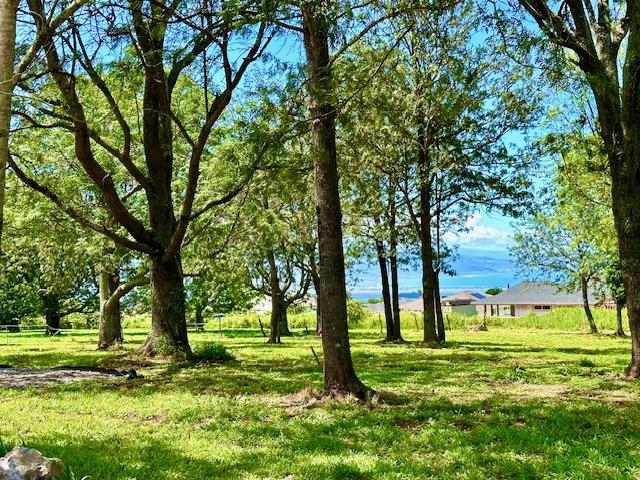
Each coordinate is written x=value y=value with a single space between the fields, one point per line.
x=585 y=362
x=356 y=313
x=212 y=352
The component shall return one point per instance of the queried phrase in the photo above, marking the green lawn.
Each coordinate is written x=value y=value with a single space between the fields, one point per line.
x=508 y=403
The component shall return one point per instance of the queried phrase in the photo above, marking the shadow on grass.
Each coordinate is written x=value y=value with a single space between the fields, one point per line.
x=433 y=438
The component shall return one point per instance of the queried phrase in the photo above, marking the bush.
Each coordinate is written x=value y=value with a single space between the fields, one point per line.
x=80 y=321
x=356 y=313
x=211 y=352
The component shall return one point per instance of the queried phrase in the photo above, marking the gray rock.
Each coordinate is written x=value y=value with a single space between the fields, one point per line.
x=23 y=463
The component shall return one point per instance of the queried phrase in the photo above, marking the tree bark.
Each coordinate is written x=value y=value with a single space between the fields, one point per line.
x=426 y=254
x=339 y=374
x=284 y=318
x=276 y=304
x=386 y=294
x=52 y=315
x=8 y=12
x=619 y=329
x=110 y=328
x=440 y=330
x=584 y=287
x=393 y=265
x=168 y=336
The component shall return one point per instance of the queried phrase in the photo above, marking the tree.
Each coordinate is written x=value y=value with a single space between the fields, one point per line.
x=10 y=74
x=339 y=374
x=165 y=41
x=600 y=39
x=45 y=271
x=571 y=239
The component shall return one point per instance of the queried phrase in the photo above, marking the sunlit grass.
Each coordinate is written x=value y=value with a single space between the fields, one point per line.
x=508 y=403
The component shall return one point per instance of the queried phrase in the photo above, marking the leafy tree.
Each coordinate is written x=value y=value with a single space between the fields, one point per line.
x=169 y=40
x=572 y=240
x=599 y=40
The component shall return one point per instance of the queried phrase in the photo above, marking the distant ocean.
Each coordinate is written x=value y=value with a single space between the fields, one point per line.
x=475 y=271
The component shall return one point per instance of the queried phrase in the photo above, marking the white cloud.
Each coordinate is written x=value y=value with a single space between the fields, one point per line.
x=480 y=235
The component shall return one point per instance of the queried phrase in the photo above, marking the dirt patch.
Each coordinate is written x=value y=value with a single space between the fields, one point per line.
x=34 y=377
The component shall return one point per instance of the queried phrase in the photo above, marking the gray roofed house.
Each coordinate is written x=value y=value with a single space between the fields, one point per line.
x=528 y=297
x=460 y=302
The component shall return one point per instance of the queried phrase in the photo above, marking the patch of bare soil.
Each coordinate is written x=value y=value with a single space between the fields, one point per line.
x=34 y=377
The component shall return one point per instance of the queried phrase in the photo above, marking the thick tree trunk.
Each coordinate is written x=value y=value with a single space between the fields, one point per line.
x=52 y=315
x=168 y=335
x=438 y=306
x=110 y=327
x=584 y=287
x=386 y=294
x=284 y=318
x=619 y=329
x=8 y=9
x=339 y=374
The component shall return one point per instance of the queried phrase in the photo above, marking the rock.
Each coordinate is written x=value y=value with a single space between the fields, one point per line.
x=23 y=463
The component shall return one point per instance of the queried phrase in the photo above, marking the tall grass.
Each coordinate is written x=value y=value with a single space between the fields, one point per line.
x=569 y=319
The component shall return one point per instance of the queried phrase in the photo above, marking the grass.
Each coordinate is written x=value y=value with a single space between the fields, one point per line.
x=516 y=402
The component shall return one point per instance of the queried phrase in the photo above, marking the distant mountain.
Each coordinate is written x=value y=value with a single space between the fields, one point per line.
x=474 y=262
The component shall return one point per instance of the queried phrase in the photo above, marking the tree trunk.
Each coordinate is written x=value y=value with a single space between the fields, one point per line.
x=619 y=329
x=626 y=209
x=393 y=264
x=438 y=306
x=386 y=294
x=315 y=279
x=428 y=274
x=339 y=374
x=110 y=329
x=585 y=303
x=52 y=315
x=274 y=286
x=8 y=9
x=168 y=335
x=284 y=318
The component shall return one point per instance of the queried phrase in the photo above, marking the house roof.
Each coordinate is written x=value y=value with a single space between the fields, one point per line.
x=534 y=293
x=463 y=298
x=379 y=306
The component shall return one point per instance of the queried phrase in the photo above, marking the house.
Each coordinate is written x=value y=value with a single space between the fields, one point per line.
x=528 y=297
x=461 y=303
x=457 y=303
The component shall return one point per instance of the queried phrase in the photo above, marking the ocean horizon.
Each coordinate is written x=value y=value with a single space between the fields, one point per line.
x=474 y=272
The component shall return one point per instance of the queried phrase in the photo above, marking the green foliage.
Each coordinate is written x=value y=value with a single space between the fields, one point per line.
x=5 y=447
x=493 y=291
x=211 y=352
x=357 y=314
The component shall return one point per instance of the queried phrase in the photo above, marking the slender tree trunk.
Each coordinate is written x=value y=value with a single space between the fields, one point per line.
x=428 y=274
x=386 y=294
x=393 y=264
x=438 y=306
x=110 y=328
x=276 y=304
x=339 y=374
x=8 y=9
x=168 y=335
x=584 y=286
x=315 y=279
x=619 y=329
